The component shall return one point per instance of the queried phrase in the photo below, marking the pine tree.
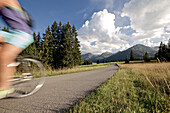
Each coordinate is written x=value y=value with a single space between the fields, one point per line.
x=55 y=31
x=163 y=52
x=47 y=48
x=38 y=41
x=127 y=59
x=132 y=57
x=59 y=47
x=146 y=57
x=168 y=51
x=6 y=29
x=76 y=47
x=98 y=61
x=67 y=44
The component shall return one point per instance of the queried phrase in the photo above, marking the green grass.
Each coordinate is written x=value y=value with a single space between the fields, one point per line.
x=80 y=68
x=135 y=88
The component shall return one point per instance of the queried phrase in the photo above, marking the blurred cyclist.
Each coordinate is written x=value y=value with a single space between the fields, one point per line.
x=13 y=42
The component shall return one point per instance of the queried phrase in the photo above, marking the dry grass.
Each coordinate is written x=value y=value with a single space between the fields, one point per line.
x=82 y=68
x=135 y=88
x=156 y=69
x=157 y=74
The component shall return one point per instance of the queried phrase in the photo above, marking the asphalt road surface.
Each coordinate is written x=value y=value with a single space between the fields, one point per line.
x=59 y=93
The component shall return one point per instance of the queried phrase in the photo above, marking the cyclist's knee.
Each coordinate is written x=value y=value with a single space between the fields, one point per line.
x=5 y=59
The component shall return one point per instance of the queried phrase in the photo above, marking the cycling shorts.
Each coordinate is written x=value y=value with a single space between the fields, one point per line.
x=17 y=38
x=20 y=34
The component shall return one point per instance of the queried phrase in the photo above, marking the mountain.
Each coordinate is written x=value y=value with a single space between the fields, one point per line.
x=138 y=51
x=94 y=58
x=156 y=48
x=88 y=56
x=102 y=56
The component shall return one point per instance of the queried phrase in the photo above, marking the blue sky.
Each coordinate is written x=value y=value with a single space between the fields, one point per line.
x=45 y=12
x=106 y=25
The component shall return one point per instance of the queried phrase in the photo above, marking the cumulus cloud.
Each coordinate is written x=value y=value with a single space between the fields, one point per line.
x=139 y=22
x=108 y=4
x=149 y=18
x=99 y=34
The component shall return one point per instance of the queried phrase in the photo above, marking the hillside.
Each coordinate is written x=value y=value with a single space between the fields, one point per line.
x=88 y=56
x=94 y=58
x=138 y=51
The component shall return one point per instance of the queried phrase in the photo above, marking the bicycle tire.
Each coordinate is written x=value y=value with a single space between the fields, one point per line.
x=29 y=77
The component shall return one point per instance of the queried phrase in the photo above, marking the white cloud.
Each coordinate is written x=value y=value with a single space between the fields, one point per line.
x=108 y=4
x=149 y=18
x=101 y=30
x=149 y=25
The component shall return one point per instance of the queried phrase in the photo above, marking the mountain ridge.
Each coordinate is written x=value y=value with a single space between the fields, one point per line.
x=138 y=51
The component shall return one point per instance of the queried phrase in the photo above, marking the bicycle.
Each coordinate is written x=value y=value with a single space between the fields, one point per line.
x=29 y=76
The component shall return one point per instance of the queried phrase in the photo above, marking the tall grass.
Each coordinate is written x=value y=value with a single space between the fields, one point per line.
x=80 y=68
x=134 y=88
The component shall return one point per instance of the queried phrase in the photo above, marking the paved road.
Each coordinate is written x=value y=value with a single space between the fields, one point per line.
x=59 y=92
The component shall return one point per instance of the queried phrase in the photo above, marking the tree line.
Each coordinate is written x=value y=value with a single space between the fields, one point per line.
x=58 y=47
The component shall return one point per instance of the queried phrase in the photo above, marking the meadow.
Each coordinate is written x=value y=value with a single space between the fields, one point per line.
x=135 y=88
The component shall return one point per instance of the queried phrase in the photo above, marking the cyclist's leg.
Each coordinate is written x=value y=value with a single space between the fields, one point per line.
x=2 y=39
x=8 y=54
x=16 y=41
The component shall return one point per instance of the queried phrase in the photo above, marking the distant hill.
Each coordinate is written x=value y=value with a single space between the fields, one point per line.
x=103 y=56
x=88 y=56
x=156 y=48
x=138 y=51
x=94 y=58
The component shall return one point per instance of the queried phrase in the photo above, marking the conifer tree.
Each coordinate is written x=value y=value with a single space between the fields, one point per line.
x=47 y=48
x=6 y=29
x=163 y=52
x=132 y=57
x=58 y=48
x=38 y=41
x=67 y=60
x=98 y=61
x=146 y=57
x=55 y=31
x=127 y=59
x=76 y=47
x=70 y=45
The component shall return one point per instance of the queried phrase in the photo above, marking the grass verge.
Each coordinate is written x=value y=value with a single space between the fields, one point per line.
x=134 y=88
x=80 y=68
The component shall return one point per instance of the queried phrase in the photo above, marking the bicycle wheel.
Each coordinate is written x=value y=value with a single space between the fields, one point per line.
x=29 y=77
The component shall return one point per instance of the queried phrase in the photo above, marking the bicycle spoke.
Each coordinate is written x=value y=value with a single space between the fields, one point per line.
x=29 y=77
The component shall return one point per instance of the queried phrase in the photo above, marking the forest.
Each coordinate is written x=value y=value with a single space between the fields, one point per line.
x=58 y=47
